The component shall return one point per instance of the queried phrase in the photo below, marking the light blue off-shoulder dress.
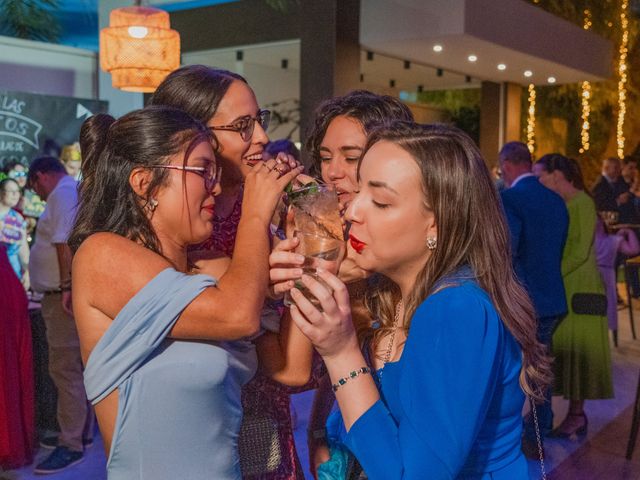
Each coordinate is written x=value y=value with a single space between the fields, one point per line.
x=451 y=406
x=179 y=408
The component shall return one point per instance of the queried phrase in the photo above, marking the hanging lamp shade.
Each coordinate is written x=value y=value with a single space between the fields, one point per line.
x=139 y=48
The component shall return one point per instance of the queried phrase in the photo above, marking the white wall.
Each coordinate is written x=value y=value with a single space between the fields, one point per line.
x=271 y=84
x=39 y=67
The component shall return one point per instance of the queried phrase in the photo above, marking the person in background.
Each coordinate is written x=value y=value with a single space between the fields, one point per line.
x=284 y=145
x=13 y=230
x=72 y=160
x=50 y=272
x=608 y=246
x=17 y=424
x=630 y=174
x=457 y=347
x=16 y=170
x=582 y=359
x=538 y=223
x=335 y=145
x=611 y=192
x=496 y=173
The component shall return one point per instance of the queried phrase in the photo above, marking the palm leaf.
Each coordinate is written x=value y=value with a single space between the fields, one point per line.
x=30 y=19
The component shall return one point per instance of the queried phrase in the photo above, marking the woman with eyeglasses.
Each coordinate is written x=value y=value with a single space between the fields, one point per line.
x=162 y=341
x=14 y=169
x=227 y=105
x=13 y=229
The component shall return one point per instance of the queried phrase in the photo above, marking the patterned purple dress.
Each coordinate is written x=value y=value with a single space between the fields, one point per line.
x=266 y=444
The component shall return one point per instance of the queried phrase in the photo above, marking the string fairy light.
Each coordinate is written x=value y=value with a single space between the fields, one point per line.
x=531 y=119
x=586 y=111
x=586 y=97
x=622 y=81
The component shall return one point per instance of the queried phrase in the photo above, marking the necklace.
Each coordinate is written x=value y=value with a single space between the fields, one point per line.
x=392 y=336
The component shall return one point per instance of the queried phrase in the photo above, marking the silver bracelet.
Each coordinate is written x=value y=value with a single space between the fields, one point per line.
x=351 y=376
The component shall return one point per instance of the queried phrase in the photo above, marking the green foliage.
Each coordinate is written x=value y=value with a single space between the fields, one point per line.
x=30 y=19
x=564 y=101
x=462 y=108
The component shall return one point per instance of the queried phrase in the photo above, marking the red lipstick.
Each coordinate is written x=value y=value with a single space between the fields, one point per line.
x=357 y=245
x=210 y=208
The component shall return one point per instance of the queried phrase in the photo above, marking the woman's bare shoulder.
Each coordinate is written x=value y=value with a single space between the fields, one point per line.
x=106 y=251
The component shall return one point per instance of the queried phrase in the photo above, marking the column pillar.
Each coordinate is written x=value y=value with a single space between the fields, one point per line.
x=500 y=121
x=329 y=53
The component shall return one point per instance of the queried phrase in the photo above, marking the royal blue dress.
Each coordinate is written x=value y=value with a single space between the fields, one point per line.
x=451 y=406
x=179 y=409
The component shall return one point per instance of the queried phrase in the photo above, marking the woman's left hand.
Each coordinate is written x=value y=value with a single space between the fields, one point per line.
x=331 y=331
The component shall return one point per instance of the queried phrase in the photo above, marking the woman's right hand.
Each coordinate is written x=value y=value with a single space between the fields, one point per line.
x=285 y=267
x=263 y=187
x=318 y=454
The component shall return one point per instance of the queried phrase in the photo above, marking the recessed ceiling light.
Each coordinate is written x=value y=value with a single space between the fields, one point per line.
x=502 y=66
x=437 y=48
x=528 y=73
x=551 y=79
x=472 y=58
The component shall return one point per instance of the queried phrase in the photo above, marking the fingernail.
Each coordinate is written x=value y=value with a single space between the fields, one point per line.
x=299 y=272
x=300 y=258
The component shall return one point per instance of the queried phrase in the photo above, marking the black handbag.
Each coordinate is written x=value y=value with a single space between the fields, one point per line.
x=589 y=304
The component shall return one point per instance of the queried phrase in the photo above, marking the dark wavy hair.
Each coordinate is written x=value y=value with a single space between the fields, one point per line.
x=139 y=139
x=92 y=140
x=458 y=188
x=368 y=108
x=569 y=167
x=196 y=89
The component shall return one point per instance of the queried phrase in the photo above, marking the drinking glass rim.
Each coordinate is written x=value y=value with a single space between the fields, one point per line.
x=309 y=186
x=310 y=234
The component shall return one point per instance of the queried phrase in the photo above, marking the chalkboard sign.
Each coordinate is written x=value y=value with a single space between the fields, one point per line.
x=33 y=124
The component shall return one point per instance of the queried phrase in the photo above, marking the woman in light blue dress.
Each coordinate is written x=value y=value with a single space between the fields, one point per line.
x=456 y=351
x=163 y=340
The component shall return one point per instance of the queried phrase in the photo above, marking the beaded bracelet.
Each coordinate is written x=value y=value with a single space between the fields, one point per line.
x=351 y=376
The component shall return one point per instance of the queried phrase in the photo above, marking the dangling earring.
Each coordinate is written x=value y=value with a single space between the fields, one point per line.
x=153 y=204
x=432 y=243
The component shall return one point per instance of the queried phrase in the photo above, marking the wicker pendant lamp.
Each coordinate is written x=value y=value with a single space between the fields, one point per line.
x=139 y=48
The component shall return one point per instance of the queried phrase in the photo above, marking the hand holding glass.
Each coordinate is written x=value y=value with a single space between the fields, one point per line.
x=319 y=252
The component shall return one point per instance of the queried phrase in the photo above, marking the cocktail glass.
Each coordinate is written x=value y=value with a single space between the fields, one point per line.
x=319 y=252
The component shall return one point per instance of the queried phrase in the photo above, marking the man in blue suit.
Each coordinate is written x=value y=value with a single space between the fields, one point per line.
x=538 y=221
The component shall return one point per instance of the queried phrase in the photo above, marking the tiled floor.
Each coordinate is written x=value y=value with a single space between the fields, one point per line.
x=600 y=456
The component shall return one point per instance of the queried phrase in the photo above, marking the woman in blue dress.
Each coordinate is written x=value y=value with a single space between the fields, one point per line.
x=457 y=349
x=13 y=229
x=161 y=342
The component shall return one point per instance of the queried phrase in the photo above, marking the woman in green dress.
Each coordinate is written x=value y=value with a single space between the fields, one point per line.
x=582 y=364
